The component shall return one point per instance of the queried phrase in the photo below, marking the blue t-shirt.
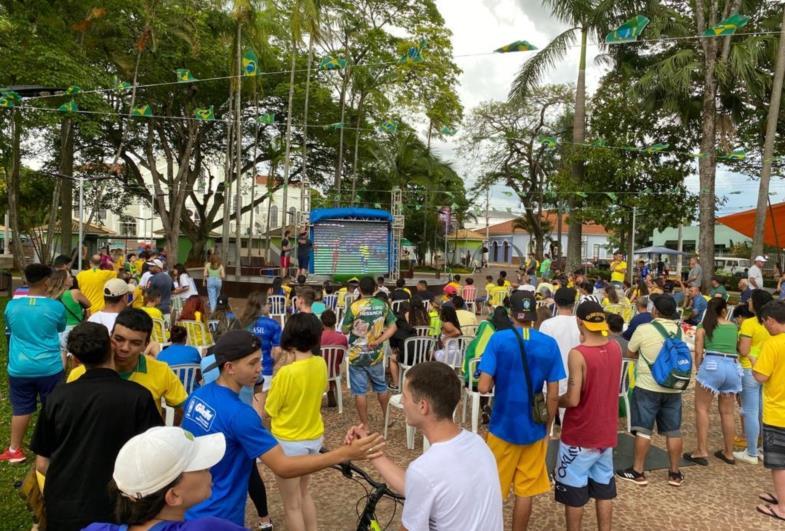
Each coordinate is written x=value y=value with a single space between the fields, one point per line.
x=511 y=418
x=699 y=305
x=35 y=324
x=217 y=409
x=210 y=373
x=269 y=333
x=635 y=322
x=202 y=524
x=176 y=354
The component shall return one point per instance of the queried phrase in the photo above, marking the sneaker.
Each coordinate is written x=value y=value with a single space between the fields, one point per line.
x=629 y=474
x=744 y=457
x=17 y=456
x=265 y=526
x=675 y=478
x=393 y=388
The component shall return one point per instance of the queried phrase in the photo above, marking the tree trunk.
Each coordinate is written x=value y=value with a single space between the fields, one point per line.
x=287 y=161
x=13 y=190
x=305 y=107
x=66 y=196
x=559 y=227
x=238 y=142
x=356 y=161
x=707 y=167
x=768 y=145
x=227 y=191
x=574 y=232
x=49 y=246
x=339 y=162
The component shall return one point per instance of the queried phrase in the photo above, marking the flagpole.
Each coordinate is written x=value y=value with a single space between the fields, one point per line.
x=81 y=223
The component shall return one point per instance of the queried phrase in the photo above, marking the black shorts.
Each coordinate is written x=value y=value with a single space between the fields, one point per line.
x=773 y=447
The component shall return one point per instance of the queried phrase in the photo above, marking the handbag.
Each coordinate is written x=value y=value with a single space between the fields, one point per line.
x=539 y=409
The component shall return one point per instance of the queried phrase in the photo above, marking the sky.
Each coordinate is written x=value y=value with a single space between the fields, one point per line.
x=480 y=26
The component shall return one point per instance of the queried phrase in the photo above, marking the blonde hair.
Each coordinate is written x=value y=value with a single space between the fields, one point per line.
x=57 y=284
x=215 y=260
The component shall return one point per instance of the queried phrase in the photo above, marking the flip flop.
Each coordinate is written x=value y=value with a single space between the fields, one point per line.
x=719 y=455
x=702 y=461
x=769 y=512
x=769 y=498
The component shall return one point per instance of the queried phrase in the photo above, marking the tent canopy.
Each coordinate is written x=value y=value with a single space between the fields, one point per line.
x=773 y=226
x=658 y=250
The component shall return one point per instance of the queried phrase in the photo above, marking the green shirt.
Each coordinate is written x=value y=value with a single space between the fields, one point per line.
x=719 y=290
x=365 y=321
x=723 y=339
x=545 y=266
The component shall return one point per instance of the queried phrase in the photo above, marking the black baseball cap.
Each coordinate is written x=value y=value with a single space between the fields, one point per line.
x=523 y=306
x=665 y=305
x=234 y=345
x=591 y=314
x=564 y=297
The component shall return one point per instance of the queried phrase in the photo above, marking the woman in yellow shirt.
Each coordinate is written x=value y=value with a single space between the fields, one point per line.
x=294 y=408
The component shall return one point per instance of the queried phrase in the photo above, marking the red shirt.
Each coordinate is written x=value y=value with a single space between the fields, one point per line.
x=592 y=423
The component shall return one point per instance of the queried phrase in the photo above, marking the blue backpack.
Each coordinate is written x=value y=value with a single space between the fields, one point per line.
x=673 y=366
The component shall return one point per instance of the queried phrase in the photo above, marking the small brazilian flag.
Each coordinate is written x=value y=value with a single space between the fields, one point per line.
x=73 y=90
x=11 y=95
x=727 y=26
x=389 y=126
x=334 y=126
x=204 y=115
x=447 y=131
x=68 y=107
x=412 y=55
x=332 y=63
x=599 y=143
x=656 y=148
x=6 y=102
x=184 y=75
x=517 y=46
x=144 y=111
x=629 y=31
x=735 y=155
x=548 y=141
x=267 y=118
x=249 y=63
x=122 y=86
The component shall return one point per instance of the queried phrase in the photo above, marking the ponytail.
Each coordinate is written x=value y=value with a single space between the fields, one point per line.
x=713 y=311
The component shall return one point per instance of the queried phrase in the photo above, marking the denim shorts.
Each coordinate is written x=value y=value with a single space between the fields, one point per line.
x=583 y=473
x=297 y=448
x=648 y=407
x=720 y=374
x=359 y=377
x=24 y=391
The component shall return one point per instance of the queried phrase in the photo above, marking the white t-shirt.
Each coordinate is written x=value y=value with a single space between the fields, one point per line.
x=185 y=281
x=146 y=276
x=757 y=274
x=564 y=329
x=454 y=485
x=105 y=318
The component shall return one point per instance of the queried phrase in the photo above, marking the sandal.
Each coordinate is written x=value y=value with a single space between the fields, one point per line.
x=702 y=461
x=719 y=455
x=769 y=498
x=769 y=511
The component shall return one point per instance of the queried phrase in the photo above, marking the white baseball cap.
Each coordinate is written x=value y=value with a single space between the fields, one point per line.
x=760 y=259
x=152 y=460
x=156 y=263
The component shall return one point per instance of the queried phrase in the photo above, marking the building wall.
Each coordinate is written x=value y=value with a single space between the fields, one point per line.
x=594 y=246
x=724 y=238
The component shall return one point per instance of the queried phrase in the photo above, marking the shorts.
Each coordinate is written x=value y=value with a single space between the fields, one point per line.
x=648 y=407
x=266 y=382
x=285 y=263
x=24 y=391
x=359 y=376
x=720 y=374
x=64 y=337
x=773 y=447
x=297 y=448
x=521 y=465
x=583 y=473
x=302 y=262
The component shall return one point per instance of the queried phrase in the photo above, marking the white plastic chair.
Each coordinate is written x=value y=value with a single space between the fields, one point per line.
x=422 y=331
x=469 y=330
x=624 y=388
x=474 y=396
x=415 y=350
x=396 y=305
x=331 y=354
x=331 y=301
x=277 y=307
x=294 y=304
x=396 y=401
x=187 y=375
x=453 y=351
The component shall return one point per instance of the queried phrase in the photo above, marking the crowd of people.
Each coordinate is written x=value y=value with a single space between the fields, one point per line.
x=545 y=353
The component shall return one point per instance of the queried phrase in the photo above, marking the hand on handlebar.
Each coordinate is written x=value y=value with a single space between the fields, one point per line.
x=368 y=447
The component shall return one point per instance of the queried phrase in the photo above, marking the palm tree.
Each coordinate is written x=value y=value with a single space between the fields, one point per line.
x=585 y=18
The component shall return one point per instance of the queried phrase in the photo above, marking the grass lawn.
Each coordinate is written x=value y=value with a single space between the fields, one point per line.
x=13 y=513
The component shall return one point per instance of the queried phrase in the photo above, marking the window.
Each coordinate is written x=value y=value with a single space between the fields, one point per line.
x=273 y=217
x=292 y=216
x=128 y=228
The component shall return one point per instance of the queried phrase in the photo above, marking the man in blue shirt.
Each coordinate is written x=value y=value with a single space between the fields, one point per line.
x=517 y=441
x=268 y=331
x=216 y=408
x=642 y=317
x=35 y=365
x=698 y=304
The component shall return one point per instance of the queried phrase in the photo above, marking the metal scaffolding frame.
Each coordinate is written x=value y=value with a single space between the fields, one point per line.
x=396 y=209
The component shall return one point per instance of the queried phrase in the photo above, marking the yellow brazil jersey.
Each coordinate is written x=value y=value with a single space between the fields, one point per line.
x=153 y=312
x=758 y=335
x=771 y=363
x=618 y=270
x=295 y=399
x=155 y=376
x=91 y=284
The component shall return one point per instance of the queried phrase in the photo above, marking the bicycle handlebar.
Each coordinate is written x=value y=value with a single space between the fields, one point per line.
x=348 y=468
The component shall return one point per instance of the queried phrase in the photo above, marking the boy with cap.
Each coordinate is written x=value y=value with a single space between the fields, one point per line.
x=564 y=329
x=115 y=301
x=34 y=363
x=650 y=401
x=82 y=427
x=216 y=408
x=584 y=466
x=518 y=442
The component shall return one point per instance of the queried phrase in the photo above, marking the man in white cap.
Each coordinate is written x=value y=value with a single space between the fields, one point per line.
x=755 y=274
x=162 y=282
x=115 y=301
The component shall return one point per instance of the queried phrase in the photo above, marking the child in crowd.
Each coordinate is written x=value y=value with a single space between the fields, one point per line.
x=152 y=298
x=293 y=405
x=178 y=353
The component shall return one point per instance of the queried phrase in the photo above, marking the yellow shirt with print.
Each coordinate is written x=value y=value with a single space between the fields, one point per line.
x=91 y=284
x=153 y=375
x=618 y=270
x=295 y=399
x=771 y=363
x=754 y=330
x=496 y=295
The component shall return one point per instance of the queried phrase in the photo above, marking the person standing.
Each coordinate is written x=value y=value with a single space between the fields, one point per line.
x=584 y=466
x=286 y=251
x=163 y=283
x=115 y=301
x=34 y=364
x=369 y=323
x=695 y=276
x=184 y=285
x=563 y=327
x=755 y=273
x=545 y=267
x=92 y=281
x=81 y=429
x=304 y=247
x=618 y=269
x=642 y=317
x=213 y=279
x=518 y=438
x=267 y=330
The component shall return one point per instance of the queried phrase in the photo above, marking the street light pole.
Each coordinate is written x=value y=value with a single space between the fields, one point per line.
x=81 y=223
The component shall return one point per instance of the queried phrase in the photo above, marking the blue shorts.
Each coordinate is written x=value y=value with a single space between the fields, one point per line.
x=720 y=374
x=583 y=473
x=648 y=407
x=24 y=391
x=359 y=377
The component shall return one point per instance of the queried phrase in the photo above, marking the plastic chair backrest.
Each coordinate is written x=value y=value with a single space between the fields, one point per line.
x=396 y=305
x=198 y=335
x=469 y=292
x=422 y=331
x=277 y=304
x=473 y=363
x=159 y=331
x=332 y=354
x=454 y=349
x=497 y=299
x=187 y=375
x=469 y=330
x=331 y=301
x=624 y=383
x=416 y=350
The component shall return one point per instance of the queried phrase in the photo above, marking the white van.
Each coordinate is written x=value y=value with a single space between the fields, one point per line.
x=730 y=265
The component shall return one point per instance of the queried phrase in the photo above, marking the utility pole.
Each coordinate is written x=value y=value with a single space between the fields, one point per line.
x=630 y=259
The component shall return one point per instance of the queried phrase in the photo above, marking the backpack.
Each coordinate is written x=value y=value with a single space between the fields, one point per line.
x=673 y=366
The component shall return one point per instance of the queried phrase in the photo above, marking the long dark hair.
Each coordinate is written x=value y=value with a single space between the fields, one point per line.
x=448 y=315
x=253 y=308
x=137 y=512
x=277 y=286
x=500 y=319
x=611 y=293
x=713 y=310
x=759 y=298
x=417 y=314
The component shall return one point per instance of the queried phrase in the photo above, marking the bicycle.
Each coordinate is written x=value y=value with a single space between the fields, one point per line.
x=367 y=520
